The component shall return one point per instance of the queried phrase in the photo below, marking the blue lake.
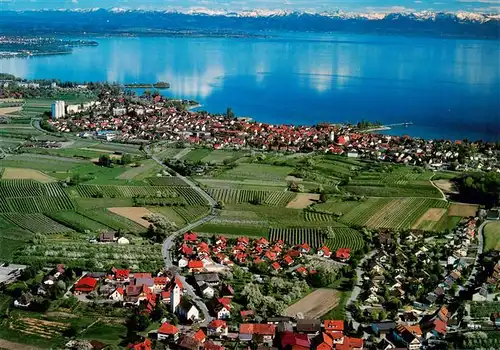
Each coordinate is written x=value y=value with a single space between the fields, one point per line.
x=448 y=88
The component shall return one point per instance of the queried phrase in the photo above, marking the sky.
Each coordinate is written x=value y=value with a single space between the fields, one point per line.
x=489 y=6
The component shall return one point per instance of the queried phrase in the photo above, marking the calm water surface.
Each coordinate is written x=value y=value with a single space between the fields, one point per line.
x=448 y=88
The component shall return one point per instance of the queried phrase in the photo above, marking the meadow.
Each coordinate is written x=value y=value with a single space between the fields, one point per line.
x=492 y=236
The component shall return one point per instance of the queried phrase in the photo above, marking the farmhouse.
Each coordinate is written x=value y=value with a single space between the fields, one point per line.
x=168 y=332
x=258 y=332
x=85 y=285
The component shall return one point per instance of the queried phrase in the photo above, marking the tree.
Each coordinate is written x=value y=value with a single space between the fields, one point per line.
x=126 y=159
x=323 y=277
x=105 y=160
x=137 y=323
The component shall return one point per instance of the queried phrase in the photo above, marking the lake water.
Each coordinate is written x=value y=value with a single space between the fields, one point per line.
x=448 y=88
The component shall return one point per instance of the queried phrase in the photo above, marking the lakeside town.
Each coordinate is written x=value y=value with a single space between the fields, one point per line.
x=403 y=289
x=152 y=118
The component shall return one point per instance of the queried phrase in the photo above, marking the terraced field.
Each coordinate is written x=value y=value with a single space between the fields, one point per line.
x=234 y=196
x=112 y=221
x=167 y=181
x=191 y=214
x=345 y=237
x=36 y=223
x=312 y=236
x=76 y=221
x=174 y=193
x=28 y=196
x=317 y=217
x=403 y=213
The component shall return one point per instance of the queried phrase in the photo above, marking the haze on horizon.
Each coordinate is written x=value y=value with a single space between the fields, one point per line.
x=484 y=6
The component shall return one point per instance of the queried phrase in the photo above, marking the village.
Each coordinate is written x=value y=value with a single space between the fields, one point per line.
x=205 y=301
x=152 y=118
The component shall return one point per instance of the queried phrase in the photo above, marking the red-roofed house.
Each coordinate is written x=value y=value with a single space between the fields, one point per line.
x=302 y=271
x=223 y=309
x=209 y=345
x=324 y=252
x=221 y=240
x=290 y=340
x=262 y=242
x=121 y=275
x=160 y=282
x=258 y=332
x=168 y=331
x=275 y=266
x=324 y=342
x=246 y=314
x=288 y=260
x=242 y=240
x=186 y=250
x=343 y=254
x=304 y=248
x=144 y=345
x=333 y=325
x=195 y=265
x=217 y=328
x=200 y=336
x=270 y=256
x=342 y=140
x=241 y=258
x=190 y=237
x=85 y=285
x=117 y=294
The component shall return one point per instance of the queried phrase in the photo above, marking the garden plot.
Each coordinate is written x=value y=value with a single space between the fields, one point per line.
x=464 y=210
x=314 y=305
x=303 y=200
x=28 y=174
x=254 y=172
x=74 y=253
x=432 y=215
x=136 y=214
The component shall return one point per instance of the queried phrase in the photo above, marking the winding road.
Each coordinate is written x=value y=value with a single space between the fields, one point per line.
x=168 y=243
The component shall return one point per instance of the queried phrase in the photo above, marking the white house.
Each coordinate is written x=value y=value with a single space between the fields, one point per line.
x=123 y=240
x=207 y=291
x=189 y=312
x=183 y=262
x=223 y=311
x=217 y=328
x=117 y=294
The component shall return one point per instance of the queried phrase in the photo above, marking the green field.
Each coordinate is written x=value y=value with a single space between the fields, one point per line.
x=233 y=229
x=254 y=172
x=36 y=223
x=197 y=154
x=77 y=221
x=112 y=221
x=344 y=237
x=492 y=236
x=271 y=198
x=313 y=236
x=396 y=213
x=28 y=196
x=79 y=253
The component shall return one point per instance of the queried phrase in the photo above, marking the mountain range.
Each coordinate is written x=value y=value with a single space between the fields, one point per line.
x=119 y=21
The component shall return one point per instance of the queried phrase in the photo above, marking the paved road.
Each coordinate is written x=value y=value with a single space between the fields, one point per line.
x=357 y=288
x=480 y=248
x=435 y=186
x=189 y=290
x=169 y=241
